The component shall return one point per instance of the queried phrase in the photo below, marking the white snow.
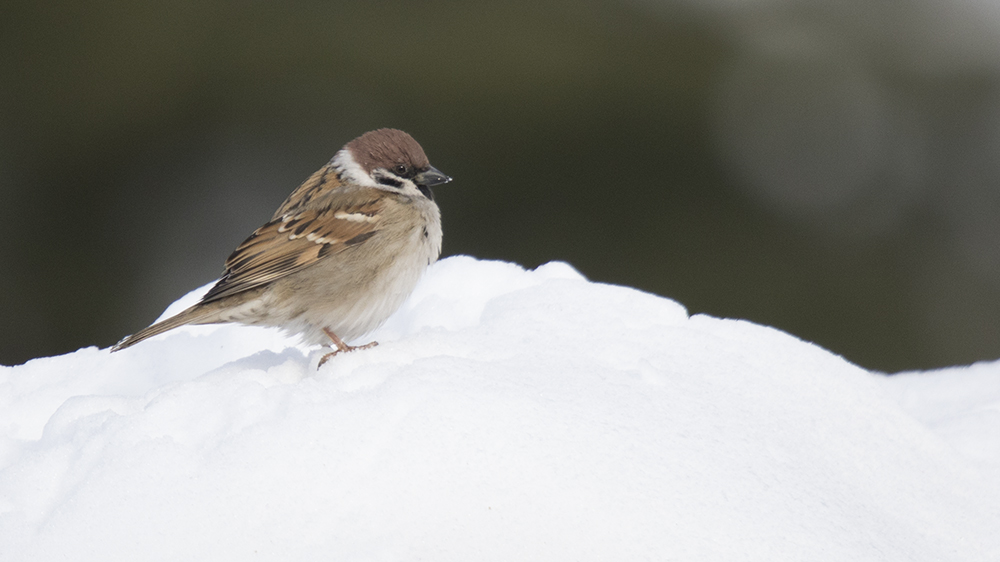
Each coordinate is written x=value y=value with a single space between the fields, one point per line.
x=506 y=415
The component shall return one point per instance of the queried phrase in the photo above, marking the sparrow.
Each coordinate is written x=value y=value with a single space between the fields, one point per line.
x=339 y=256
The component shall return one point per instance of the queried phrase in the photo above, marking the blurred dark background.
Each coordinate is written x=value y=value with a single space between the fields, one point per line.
x=827 y=168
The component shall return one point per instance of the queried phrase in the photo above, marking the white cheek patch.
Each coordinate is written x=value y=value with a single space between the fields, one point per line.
x=350 y=170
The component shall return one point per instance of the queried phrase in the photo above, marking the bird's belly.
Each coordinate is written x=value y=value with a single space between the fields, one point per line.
x=356 y=293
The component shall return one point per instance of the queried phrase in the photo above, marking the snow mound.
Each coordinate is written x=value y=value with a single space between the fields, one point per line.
x=506 y=415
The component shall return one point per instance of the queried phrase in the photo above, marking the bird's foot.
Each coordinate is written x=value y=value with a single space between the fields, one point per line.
x=341 y=346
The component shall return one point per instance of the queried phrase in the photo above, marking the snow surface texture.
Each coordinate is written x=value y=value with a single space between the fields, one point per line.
x=506 y=415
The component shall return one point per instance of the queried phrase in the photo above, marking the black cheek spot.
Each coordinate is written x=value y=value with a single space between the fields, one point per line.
x=425 y=232
x=391 y=182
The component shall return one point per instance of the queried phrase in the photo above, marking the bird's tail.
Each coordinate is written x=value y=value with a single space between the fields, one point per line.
x=194 y=315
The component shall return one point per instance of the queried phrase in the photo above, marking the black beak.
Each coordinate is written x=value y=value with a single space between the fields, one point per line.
x=430 y=176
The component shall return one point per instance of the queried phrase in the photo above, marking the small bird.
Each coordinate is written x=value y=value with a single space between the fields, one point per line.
x=339 y=256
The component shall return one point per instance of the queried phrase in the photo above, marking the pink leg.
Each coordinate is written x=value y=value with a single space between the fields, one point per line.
x=341 y=346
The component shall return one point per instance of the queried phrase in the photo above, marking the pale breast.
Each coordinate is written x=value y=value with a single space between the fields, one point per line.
x=355 y=291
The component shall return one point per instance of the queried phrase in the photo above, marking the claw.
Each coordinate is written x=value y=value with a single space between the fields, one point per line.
x=341 y=346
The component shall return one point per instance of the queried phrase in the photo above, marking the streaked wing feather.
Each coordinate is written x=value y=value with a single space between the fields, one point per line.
x=293 y=242
x=324 y=180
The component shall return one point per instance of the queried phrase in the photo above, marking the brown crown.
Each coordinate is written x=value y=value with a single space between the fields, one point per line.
x=386 y=148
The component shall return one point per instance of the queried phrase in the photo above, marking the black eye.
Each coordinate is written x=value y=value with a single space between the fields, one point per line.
x=400 y=170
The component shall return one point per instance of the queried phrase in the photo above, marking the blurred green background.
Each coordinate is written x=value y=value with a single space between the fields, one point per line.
x=827 y=168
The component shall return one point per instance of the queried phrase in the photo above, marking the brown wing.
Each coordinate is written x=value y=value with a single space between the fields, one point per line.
x=319 y=185
x=295 y=241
